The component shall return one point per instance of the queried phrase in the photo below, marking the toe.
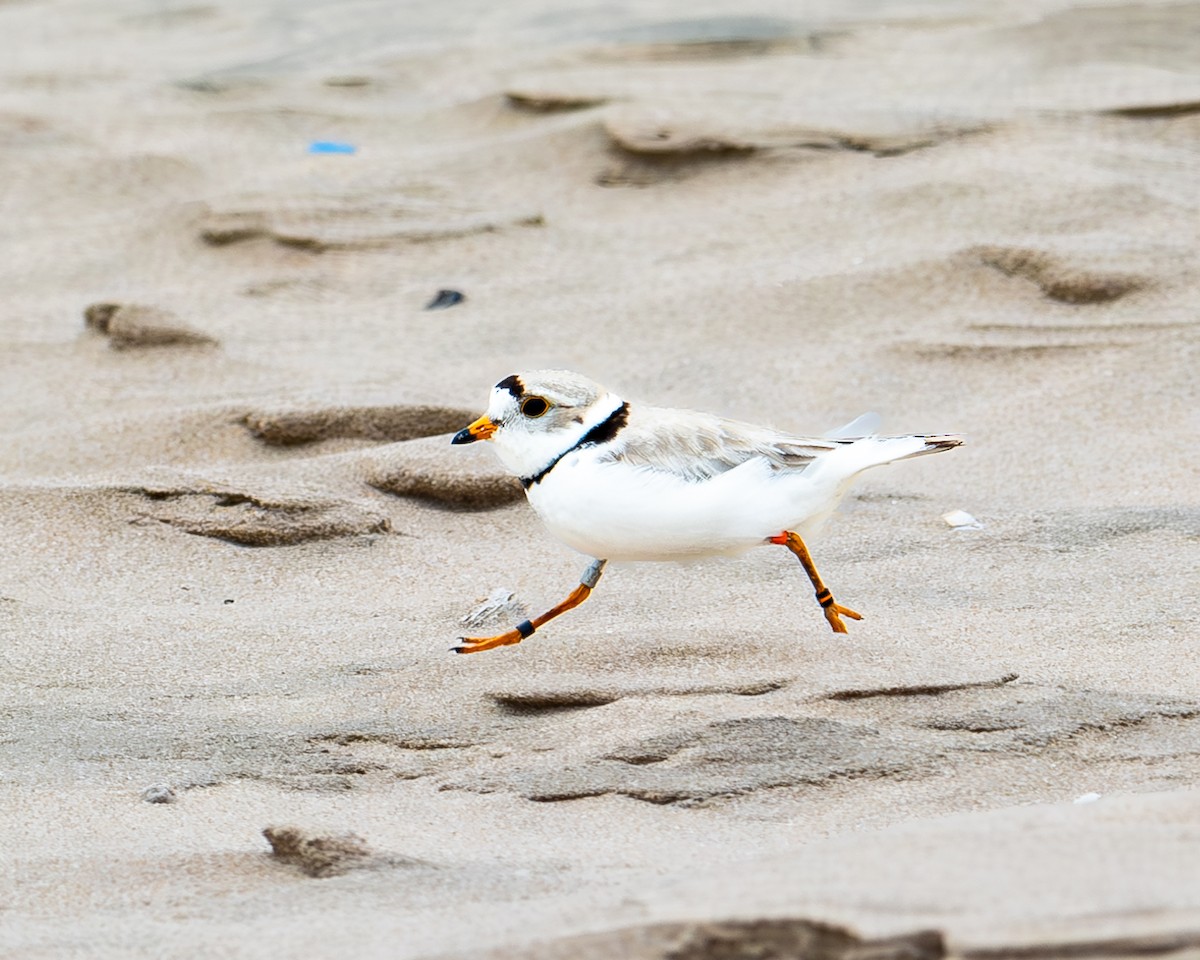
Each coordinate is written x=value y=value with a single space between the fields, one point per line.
x=477 y=644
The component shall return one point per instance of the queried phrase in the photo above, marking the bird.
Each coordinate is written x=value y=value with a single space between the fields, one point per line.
x=619 y=481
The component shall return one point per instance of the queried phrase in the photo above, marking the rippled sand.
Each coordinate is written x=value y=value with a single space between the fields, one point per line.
x=237 y=545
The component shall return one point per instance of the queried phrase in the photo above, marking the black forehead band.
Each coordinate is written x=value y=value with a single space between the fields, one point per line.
x=513 y=385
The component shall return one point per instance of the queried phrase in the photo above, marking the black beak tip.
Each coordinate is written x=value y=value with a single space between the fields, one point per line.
x=463 y=436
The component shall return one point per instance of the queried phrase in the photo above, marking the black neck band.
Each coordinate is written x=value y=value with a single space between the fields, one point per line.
x=602 y=432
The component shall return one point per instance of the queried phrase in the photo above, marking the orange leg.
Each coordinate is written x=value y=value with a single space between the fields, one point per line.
x=526 y=627
x=832 y=609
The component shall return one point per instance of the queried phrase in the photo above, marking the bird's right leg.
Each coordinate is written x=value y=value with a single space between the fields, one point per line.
x=525 y=628
x=832 y=609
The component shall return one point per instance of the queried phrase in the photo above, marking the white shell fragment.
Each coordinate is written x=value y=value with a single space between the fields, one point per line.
x=961 y=520
x=1087 y=798
x=501 y=603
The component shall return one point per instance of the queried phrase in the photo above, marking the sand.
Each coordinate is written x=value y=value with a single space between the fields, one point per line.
x=237 y=545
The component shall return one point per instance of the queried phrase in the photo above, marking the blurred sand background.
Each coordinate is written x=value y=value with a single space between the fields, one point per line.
x=237 y=545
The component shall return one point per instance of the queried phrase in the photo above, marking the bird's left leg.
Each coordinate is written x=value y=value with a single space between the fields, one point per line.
x=525 y=628
x=832 y=609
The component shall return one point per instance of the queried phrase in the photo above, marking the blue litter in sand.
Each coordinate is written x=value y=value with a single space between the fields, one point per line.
x=331 y=146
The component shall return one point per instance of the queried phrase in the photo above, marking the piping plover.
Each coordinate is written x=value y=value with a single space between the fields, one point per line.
x=619 y=481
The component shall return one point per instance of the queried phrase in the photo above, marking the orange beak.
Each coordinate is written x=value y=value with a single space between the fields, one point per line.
x=481 y=429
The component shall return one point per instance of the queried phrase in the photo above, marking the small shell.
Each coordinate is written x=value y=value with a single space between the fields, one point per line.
x=961 y=520
x=501 y=604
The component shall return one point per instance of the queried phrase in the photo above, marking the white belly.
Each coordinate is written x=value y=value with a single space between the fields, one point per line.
x=616 y=512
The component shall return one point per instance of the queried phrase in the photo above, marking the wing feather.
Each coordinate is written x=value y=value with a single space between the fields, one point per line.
x=699 y=446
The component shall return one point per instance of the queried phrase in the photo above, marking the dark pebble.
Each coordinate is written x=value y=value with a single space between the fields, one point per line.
x=444 y=299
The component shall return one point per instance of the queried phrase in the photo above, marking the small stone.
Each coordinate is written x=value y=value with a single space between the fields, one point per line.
x=444 y=299
x=159 y=793
x=318 y=855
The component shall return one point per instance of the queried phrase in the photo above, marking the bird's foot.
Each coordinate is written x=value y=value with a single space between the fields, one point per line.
x=833 y=614
x=476 y=644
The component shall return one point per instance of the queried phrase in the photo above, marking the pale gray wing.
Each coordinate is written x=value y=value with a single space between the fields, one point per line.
x=865 y=426
x=697 y=446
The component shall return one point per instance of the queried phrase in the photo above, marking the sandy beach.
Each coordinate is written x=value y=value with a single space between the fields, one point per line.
x=238 y=546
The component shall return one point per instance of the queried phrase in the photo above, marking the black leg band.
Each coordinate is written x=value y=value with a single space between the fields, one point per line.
x=825 y=598
x=525 y=629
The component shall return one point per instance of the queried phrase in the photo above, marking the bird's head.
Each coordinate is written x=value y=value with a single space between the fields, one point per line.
x=533 y=417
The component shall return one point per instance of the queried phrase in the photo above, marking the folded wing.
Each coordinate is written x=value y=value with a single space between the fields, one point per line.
x=698 y=447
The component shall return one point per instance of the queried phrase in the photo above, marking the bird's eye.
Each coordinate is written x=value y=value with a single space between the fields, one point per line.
x=534 y=406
